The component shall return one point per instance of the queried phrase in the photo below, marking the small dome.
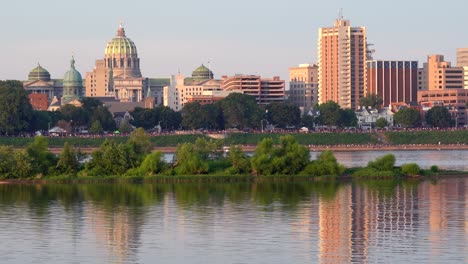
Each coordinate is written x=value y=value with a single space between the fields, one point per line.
x=72 y=77
x=39 y=73
x=121 y=45
x=202 y=73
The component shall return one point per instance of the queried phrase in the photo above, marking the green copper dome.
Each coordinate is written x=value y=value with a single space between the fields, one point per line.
x=72 y=84
x=202 y=73
x=39 y=73
x=72 y=77
x=121 y=45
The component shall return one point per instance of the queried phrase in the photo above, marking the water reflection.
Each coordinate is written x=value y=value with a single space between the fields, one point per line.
x=326 y=222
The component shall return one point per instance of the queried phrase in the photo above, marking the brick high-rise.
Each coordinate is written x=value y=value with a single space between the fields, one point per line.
x=342 y=54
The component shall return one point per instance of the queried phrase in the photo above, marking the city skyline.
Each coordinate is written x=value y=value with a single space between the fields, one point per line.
x=249 y=38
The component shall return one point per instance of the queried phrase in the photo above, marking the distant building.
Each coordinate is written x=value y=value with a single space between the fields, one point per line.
x=118 y=74
x=39 y=101
x=180 y=89
x=367 y=117
x=462 y=57
x=303 y=86
x=438 y=74
x=39 y=82
x=454 y=99
x=342 y=56
x=72 y=85
x=393 y=81
x=265 y=90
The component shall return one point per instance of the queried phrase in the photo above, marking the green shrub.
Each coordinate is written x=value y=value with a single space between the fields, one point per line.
x=325 y=165
x=435 y=168
x=411 y=169
x=384 y=163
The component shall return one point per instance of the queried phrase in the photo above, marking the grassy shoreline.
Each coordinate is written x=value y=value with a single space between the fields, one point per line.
x=432 y=139
x=64 y=179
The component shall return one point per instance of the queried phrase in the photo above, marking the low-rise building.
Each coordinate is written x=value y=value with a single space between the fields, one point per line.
x=454 y=99
x=265 y=90
x=368 y=117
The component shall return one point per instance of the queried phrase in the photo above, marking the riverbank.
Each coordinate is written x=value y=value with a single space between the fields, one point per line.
x=352 y=147
x=220 y=179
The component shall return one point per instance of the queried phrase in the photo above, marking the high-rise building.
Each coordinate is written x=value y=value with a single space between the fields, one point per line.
x=438 y=74
x=462 y=57
x=303 y=86
x=462 y=61
x=342 y=55
x=393 y=81
x=265 y=90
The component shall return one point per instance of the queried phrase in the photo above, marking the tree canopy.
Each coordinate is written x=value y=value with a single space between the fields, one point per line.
x=407 y=117
x=439 y=116
x=16 y=111
x=371 y=100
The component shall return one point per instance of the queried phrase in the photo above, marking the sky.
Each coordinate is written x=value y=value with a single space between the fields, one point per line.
x=263 y=37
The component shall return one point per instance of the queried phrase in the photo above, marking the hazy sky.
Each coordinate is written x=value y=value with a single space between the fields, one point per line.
x=263 y=37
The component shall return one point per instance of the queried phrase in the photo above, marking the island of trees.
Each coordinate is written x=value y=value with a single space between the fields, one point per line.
x=134 y=159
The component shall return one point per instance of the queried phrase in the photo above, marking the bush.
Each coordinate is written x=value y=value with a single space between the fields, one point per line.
x=411 y=169
x=435 y=168
x=325 y=165
x=384 y=163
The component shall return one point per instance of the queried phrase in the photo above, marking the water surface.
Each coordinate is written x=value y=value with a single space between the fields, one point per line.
x=365 y=222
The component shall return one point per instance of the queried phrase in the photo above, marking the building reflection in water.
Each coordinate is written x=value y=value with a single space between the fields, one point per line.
x=359 y=219
x=118 y=229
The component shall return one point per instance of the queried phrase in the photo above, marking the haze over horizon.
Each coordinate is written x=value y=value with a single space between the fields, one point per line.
x=251 y=37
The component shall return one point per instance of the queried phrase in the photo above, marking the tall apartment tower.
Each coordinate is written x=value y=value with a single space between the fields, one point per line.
x=462 y=61
x=342 y=54
x=303 y=86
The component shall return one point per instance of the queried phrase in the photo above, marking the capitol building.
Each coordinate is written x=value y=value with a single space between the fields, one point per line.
x=116 y=81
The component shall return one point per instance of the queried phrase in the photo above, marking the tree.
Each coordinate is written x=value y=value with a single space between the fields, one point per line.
x=371 y=100
x=169 y=118
x=348 y=118
x=189 y=160
x=381 y=122
x=240 y=111
x=40 y=120
x=284 y=114
x=288 y=158
x=307 y=121
x=439 y=116
x=68 y=160
x=145 y=118
x=16 y=111
x=384 y=163
x=96 y=128
x=125 y=126
x=104 y=116
x=152 y=164
x=77 y=116
x=330 y=114
x=64 y=125
x=407 y=117
x=41 y=158
x=325 y=165
x=192 y=117
x=240 y=163
x=140 y=142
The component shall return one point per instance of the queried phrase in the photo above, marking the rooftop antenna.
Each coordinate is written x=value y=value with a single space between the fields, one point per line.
x=340 y=14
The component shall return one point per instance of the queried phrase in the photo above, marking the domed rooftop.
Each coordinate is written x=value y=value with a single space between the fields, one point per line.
x=72 y=78
x=121 y=46
x=39 y=73
x=202 y=73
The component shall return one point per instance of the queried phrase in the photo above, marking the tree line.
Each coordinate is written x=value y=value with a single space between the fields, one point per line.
x=235 y=111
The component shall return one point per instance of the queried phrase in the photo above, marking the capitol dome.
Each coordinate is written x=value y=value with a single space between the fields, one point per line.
x=121 y=45
x=202 y=73
x=39 y=73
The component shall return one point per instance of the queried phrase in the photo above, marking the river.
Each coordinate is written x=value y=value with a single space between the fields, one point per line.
x=334 y=222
